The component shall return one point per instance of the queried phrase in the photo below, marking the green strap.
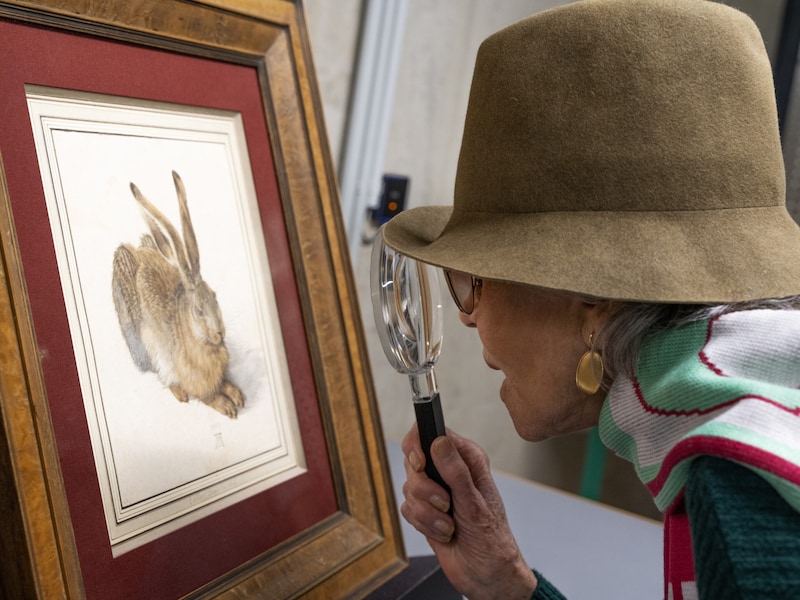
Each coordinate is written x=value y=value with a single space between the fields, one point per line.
x=593 y=466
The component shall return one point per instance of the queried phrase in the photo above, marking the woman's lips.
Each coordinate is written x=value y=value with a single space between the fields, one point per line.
x=489 y=363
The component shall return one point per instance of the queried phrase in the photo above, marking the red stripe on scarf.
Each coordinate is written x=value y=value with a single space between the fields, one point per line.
x=723 y=448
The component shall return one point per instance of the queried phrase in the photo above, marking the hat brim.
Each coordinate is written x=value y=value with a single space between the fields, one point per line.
x=652 y=256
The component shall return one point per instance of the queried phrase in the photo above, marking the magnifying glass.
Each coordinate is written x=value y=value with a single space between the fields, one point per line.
x=407 y=307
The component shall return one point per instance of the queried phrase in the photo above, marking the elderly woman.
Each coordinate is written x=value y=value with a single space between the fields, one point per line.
x=620 y=242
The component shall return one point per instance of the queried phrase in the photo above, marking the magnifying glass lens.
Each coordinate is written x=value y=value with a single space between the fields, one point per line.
x=407 y=309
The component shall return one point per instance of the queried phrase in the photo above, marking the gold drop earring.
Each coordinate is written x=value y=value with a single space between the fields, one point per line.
x=589 y=374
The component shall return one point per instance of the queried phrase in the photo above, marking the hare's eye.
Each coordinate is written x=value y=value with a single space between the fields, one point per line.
x=200 y=312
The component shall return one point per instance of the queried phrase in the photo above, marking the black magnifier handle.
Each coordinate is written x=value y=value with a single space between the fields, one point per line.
x=430 y=423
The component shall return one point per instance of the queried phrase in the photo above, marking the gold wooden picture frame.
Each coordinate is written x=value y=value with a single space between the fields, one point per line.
x=330 y=530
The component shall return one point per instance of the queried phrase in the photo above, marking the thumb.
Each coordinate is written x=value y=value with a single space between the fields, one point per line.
x=451 y=466
x=472 y=489
x=477 y=461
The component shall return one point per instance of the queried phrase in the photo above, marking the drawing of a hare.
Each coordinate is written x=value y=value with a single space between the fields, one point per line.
x=169 y=316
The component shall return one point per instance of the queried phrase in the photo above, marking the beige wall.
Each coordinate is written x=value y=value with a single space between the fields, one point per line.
x=333 y=28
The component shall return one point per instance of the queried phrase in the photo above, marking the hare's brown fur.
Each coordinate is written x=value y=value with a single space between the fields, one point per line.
x=169 y=316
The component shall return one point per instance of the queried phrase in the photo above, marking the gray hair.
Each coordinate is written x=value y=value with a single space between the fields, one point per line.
x=622 y=334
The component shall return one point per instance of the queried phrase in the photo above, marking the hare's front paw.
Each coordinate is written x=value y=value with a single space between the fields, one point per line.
x=179 y=393
x=233 y=392
x=229 y=398
x=224 y=405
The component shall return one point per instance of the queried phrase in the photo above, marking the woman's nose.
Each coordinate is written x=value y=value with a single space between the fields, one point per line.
x=466 y=319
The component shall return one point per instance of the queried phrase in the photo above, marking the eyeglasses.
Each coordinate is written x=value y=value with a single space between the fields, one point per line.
x=463 y=289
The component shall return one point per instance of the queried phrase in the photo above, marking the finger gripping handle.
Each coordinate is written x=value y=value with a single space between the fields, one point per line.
x=430 y=423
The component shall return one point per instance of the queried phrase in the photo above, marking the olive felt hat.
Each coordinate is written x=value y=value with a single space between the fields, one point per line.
x=624 y=149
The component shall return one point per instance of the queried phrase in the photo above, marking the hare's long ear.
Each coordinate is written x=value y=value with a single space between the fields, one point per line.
x=189 y=238
x=164 y=233
x=163 y=244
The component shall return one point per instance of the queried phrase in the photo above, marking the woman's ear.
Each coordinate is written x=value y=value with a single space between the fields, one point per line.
x=596 y=312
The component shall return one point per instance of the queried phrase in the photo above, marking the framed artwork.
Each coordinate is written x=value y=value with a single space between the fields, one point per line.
x=187 y=409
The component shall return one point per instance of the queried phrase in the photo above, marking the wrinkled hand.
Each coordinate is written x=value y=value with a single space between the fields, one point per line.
x=475 y=547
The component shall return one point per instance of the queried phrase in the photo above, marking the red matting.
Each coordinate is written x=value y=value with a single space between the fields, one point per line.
x=181 y=562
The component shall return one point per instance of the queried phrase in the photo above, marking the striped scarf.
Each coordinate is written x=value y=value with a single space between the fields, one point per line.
x=727 y=387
